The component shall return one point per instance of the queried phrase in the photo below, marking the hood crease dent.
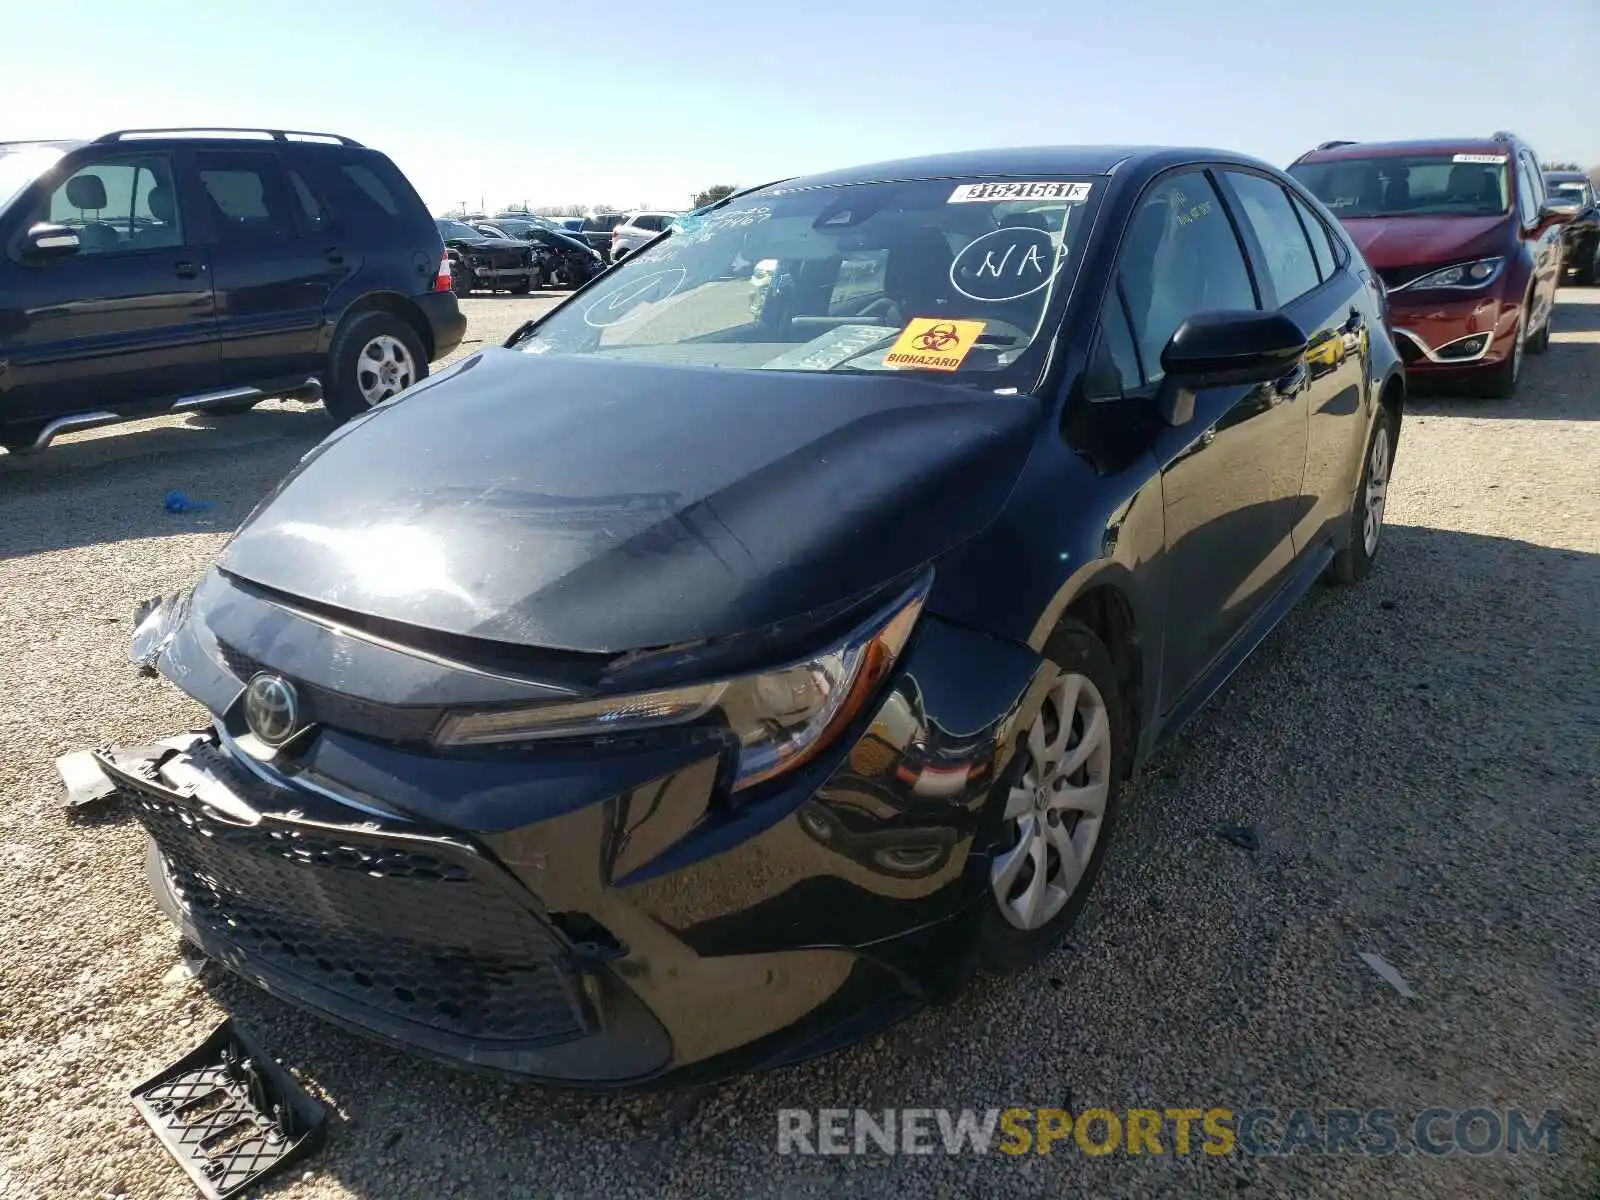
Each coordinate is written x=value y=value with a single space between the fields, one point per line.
x=597 y=505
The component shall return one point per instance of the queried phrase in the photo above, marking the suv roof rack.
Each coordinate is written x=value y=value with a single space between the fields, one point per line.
x=1337 y=142
x=277 y=135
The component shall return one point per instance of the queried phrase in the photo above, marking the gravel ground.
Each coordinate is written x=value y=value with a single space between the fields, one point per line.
x=1421 y=756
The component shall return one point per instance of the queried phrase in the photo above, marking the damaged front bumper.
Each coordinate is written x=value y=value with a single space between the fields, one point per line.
x=414 y=937
x=593 y=916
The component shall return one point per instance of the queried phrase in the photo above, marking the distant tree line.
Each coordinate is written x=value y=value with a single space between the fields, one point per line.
x=717 y=191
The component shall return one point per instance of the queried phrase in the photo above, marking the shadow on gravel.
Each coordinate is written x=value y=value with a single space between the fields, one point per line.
x=1577 y=315
x=1419 y=766
x=112 y=488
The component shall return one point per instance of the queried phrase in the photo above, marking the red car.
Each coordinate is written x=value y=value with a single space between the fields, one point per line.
x=1464 y=239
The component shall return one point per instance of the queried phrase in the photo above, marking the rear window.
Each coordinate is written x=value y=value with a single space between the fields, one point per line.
x=603 y=224
x=364 y=178
x=1573 y=193
x=376 y=189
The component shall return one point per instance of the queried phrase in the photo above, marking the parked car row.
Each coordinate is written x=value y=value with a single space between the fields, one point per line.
x=926 y=502
x=514 y=255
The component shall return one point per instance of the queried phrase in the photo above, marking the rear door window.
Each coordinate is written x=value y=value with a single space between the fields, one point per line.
x=1322 y=247
x=1288 y=258
x=248 y=195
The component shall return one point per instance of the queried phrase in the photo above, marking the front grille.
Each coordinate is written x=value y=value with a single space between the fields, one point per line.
x=415 y=931
x=336 y=710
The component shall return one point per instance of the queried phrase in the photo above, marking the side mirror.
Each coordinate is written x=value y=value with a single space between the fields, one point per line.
x=1219 y=348
x=45 y=241
x=1550 y=215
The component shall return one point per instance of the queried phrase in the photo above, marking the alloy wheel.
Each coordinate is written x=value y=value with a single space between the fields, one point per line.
x=1377 y=489
x=1055 y=812
x=384 y=368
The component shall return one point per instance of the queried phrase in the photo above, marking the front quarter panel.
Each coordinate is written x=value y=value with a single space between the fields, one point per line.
x=1071 y=525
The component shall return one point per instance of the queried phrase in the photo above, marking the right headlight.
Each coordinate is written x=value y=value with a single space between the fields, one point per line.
x=1469 y=275
x=782 y=718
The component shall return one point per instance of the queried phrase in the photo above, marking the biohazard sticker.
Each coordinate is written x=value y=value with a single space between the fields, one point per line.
x=1494 y=159
x=993 y=193
x=933 y=344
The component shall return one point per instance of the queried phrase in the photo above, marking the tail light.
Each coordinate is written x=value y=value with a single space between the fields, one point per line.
x=444 y=281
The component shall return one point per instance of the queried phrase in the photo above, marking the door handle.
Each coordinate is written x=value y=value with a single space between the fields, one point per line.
x=186 y=269
x=334 y=255
x=1292 y=384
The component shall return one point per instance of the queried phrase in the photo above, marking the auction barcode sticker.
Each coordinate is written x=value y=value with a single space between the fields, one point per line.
x=1479 y=158
x=991 y=193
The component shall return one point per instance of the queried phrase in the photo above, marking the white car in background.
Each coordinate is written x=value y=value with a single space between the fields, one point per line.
x=636 y=229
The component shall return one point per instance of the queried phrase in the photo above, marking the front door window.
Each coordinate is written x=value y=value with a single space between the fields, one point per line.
x=119 y=206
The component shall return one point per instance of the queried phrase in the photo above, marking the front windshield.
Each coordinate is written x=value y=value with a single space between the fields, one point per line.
x=931 y=275
x=457 y=229
x=20 y=166
x=1413 y=185
x=1573 y=193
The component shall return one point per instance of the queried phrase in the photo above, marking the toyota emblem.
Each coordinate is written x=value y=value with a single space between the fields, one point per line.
x=271 y=708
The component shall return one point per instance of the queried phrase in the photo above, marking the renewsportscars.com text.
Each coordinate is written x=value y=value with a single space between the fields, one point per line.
x=1177 y=1131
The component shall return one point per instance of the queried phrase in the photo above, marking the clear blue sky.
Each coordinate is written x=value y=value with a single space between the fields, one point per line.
x=626 y=102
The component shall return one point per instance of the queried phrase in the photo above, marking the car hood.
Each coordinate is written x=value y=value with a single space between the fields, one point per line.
x=584 y=504
x=1391 y=242
x=571 y=242
x=484 y=243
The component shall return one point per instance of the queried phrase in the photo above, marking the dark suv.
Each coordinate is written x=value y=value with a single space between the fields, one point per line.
x=160 y=270
x=1580 y=240
x=1465 y=239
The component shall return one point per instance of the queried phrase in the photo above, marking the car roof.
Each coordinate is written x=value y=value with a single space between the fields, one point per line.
x=1022 y=162
x=1566 y=177
x=1348 y=150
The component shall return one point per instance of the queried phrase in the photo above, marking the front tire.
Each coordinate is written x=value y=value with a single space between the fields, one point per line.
x=1057 y=814
x=1588 y=268
x=1502 y=380
x=1354 y=563
x=375 y=355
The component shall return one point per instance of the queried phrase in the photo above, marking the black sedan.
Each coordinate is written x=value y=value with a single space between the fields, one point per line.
x=565 y=260
x=768 y=631
x=481 y=261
